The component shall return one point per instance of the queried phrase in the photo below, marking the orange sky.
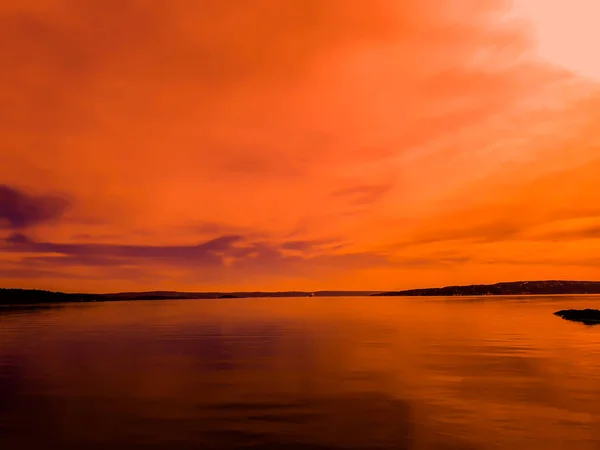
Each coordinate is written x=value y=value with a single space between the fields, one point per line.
x=305 y=144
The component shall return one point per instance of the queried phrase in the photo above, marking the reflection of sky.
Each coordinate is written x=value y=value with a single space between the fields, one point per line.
x=161 y=392
x=12 y=377
x=204 y=370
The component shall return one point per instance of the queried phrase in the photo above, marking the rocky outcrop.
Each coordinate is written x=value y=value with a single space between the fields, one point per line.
x=586 y=316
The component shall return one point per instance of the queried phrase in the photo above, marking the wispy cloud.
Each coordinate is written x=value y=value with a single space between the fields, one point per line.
x=364 y=194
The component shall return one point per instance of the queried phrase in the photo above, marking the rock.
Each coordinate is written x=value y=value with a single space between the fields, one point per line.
x=586 y=316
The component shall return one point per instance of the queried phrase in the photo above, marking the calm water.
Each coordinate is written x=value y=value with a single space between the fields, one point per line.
x=309 y=373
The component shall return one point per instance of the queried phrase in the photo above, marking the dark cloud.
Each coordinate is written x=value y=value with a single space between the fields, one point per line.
x=307 y=245
x=214 y=228
x=20 y=210
x=210 y=227
x=18 y=239
x=204 y=253
x=74 y=261
x=247 y=255
x=30 y=272
x=297 y=245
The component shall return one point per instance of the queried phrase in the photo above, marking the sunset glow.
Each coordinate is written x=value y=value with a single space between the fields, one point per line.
x=565 y=32
x=305 y=144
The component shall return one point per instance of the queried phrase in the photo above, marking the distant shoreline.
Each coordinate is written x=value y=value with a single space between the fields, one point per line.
x=552 y=287
x=34 y=296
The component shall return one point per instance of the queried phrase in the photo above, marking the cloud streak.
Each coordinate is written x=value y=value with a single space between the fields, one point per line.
x=239 y=255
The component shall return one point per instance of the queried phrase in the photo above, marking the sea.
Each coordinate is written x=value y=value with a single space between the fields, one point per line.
x=301 y=373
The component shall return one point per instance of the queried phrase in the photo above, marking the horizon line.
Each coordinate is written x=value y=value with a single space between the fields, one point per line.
x=302 y=291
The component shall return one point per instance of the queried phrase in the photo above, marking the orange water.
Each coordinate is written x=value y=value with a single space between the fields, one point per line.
x=306 y=373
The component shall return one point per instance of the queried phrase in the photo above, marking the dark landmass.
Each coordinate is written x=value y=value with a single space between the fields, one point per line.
x=586 y=316
x=34 y=296
x=513 y=288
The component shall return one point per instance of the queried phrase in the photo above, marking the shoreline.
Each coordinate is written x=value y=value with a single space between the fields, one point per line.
x=17 y=297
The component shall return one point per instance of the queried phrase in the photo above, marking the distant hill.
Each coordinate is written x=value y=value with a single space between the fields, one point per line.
x=35 y=296
x=512 y=288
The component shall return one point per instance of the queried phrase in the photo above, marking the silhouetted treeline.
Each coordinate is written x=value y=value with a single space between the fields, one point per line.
x=32 y=296
x=36 y=296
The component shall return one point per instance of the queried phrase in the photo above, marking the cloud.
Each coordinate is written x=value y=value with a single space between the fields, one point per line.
x=204 y=253
x=21 y=273
x=299 y=138
x=314 y=246
x=557 y=205
x=203 y=43
x=235 y=252
x=491 y=231
x=20 y=210
x=364 y=194
x=566 y=230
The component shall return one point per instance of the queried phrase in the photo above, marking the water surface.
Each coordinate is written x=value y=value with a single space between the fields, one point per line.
x=305 y=373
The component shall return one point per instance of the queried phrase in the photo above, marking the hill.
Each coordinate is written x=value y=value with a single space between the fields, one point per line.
x=512 y=288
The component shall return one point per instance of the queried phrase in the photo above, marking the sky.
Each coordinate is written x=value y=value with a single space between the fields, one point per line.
x=206 y=145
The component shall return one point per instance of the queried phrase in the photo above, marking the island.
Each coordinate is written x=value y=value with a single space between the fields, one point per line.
x=510 y=288
x=585 y=316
